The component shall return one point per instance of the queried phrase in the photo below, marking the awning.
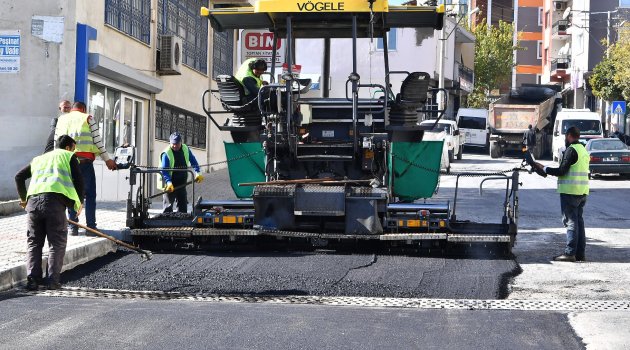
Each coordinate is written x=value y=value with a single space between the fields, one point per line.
x=334 y=21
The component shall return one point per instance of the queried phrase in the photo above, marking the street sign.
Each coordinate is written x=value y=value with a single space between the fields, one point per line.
x=619 y=107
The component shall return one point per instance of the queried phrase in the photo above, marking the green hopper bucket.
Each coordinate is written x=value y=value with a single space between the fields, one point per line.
x=245 y=169
x=412 y=182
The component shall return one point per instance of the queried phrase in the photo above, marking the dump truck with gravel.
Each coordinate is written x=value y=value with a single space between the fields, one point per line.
x=326 y=171
x=510 y=116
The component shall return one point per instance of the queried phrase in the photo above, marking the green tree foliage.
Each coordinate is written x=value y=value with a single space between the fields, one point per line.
x=494 y=60
x=611 y=77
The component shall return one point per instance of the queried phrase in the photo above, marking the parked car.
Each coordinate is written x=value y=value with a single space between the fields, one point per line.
x=448 y=131
x=608 y=156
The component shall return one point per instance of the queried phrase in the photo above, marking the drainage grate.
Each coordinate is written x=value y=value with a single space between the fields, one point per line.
x=408 y=303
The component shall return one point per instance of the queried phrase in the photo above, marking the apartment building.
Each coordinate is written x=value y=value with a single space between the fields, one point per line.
x=141 y=66
x=572 y=46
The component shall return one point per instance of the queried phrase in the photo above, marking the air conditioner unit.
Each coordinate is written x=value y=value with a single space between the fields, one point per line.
x=170 y=61
x=560 y=5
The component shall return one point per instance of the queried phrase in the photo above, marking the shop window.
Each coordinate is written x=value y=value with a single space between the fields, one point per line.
x=181 y=18
x=169 y=119
x=132 y=17
x=104 y=106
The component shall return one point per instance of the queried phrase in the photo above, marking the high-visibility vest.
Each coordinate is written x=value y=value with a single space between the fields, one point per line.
x=575 y=182
x=245 y=72
x=50 y=173
x=75 y=124
x=171 y=161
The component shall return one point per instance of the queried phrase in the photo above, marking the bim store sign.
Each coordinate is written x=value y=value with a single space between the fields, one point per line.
x=259 y=44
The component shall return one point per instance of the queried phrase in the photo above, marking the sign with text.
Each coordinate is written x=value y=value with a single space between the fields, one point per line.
x=10 y=51
x=259 y=44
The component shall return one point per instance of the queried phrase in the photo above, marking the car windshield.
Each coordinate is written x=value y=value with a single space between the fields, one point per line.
x=608 y=145
x=586 y=127
x=466 y=122
x=439 y=127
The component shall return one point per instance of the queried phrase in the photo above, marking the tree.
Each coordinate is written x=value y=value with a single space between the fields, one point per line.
x=611 y=77
x=494 y=60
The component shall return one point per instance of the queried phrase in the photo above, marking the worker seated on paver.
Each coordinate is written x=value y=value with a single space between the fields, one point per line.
x=179 y=156
x=249 y=75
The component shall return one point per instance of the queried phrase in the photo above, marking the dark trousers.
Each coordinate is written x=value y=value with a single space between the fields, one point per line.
x=180 y=196
x=46 y=220
x=89 y=180
x=572 y=209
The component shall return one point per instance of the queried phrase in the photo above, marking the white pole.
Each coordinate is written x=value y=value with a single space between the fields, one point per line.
x=442 y=46
x=489 y=15
x=514 y=42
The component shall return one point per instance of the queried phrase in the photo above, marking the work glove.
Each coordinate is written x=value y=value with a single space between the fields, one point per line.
x=198 y=178
x=80 y=210
x=23 y=204
x=169 y=187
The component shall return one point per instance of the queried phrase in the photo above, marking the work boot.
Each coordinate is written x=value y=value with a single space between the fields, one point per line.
x=565 y=258
x=90 y=233
x=73 y=230
x=32 y=284
x=581 y=258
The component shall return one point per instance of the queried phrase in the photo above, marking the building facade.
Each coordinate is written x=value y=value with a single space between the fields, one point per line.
x=119 y=58
x=529 y=16
x=573 y=44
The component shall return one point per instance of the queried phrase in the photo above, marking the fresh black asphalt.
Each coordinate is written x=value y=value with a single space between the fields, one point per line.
x=299 y=274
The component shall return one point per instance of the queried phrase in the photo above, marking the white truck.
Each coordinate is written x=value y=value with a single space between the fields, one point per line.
x=473 y=124
x=448 y=131
x=589 y=123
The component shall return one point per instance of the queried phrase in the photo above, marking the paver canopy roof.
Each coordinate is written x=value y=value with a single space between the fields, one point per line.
x=325 y=19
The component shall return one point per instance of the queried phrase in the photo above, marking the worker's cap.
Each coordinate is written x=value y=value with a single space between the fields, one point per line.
x=176 y=138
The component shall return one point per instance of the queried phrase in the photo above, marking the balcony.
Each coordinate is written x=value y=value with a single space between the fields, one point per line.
x=560 y=69
x=466 y=77
x=559 y=29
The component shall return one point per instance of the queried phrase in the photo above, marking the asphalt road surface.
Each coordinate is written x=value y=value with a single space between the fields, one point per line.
x=34 y=322
x=299 y=274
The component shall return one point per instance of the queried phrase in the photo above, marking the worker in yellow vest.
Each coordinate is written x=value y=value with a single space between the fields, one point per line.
x=56 y=184
x=84 y=129
x=249 y=75
x=177 y=156
x=573 y=187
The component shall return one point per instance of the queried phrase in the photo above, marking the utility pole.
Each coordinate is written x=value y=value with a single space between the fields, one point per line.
x=514 y=42
x=489 y=14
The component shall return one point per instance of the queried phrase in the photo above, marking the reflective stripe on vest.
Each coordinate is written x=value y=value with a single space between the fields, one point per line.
x=171 y=162
x=75 y=124
x=575 y=182
x=50 y=173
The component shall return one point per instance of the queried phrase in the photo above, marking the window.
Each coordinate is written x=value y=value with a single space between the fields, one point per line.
x=169 y=119
x=538 y=79
x=181 y=18
x=546 y=57
x=539 y=50
x=132 y=17
x=548 y=18
x=104 y=106
x=540 y=16
x=222 y=48
x=391 y=41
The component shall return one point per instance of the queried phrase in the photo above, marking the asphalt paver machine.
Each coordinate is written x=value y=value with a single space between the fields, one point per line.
x=327 y=171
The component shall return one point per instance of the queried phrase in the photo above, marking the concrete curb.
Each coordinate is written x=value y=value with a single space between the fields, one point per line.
x=10 y=207
x=75 y=255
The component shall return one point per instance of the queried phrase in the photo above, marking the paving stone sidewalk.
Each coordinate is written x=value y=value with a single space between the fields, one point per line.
x=110 y=219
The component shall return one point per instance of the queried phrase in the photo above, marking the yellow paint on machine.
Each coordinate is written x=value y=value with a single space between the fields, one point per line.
x=320 y=6
x=229 y=220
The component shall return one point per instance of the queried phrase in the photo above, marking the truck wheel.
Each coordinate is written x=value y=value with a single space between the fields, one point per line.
x=495 y=150
x=461 y=153
x=451 y=157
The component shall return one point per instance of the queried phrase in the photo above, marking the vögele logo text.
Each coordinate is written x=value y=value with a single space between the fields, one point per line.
x=320 y=6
